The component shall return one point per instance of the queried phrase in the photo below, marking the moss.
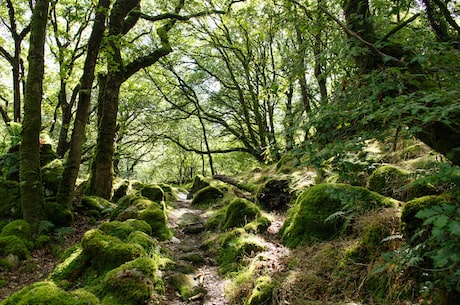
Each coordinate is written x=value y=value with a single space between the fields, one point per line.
x=71 y=267
x=132 y=282
x=97 y=203
x=262 y=294
x=42 y=240
x=199 y=182
x=410 y=224
x=390 y=181
x=156 y=218
x=123 y=204
x=19 y=227
x=42 y=293
x=13 y=245
x=170 y=193
x=194 y=258
x=207 y=196
x=239 y=212
x=274 y=195
x=185 y=285
x=153 y=192
x=142 y=239
x=58 y=214
x=105 y=252
x=258 y=225
x=84 y=297
x=234 y=247
x=123 y=229
x=306 y=221
x=216 y=220
x=121 y=189
x=52 y=176
x=10 y=202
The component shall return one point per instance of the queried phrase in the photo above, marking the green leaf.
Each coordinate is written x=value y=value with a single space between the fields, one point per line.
x=441 y=221
x=454 y=228
x=426 y=213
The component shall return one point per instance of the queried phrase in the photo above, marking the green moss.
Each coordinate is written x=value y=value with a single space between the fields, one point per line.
x=258 y=225
x=156 y=218
x=52 y=176
x=199 y=182
x=10 y=201
x=170 y=193
x=194 y=258
x=206 y=196
x=123 y=229
x=262 y=294
x=239 y=212
x=145 y=241
x=58 y=214
x=390 y=181
x=306 y=221
x=84 y=297
x=121 y=189
x=185 y=285
x=123 y=204
x=105 y=252
x=153 y=192
x=131 y=283
x=13 y=245
x=42 y=293
x=410 y=224
x=19 y=227
x=234 y=247
x=97 y=203
x=42 y=240
x=71 y=267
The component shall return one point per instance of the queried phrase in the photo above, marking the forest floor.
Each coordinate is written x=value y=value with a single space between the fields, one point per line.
x=187 y=241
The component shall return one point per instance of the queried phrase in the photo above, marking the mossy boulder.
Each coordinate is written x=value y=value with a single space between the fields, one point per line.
x=131 y=205
x=234 y=247
x=185 y=285
x=153 y=192
x=73 y=264
x=121 y=190
x=274 y=195
x=48 y=293
x=19 y=227
x=206 y=196
x=390 y=181
x=123 y=229
x=10 y=200
x=132 y=283
x=51 y=177
x=144 y=240
x=105 y=252
x=101 y=206
x=156 y=218
x=15 y=246
x=262 y=293
x=58 y=214
x=240 y=212
x=409 y=222
x=199 y=182
x=310 y=217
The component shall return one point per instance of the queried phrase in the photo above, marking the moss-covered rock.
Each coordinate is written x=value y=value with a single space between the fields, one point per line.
x=70 y=269
x=123 y=229
x=121 y=190
x=185 y=285
x=156 y=218
x=409 y=222
x=262 y=294
x=274 y=195
x=234 y=246
x=199 y=182
x=153 y=192
x=390 y=181
x=48 y=293
x=94 y=203
x=144 y=240
x=51 y=177
x=240 y=212
x=13 y=245
x=19 y=227
x=105 y=252
x=206 y=196
x=10 y=200
x=306 y=221
x=132 y=283
x=58 y=214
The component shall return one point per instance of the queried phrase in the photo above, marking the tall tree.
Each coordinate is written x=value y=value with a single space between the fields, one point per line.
x=16 y=13
x=32 y=198
x=69 y=177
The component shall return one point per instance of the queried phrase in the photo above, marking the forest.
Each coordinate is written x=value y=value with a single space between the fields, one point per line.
x=229 y=152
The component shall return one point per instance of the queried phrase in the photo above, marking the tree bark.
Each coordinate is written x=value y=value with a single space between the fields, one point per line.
x=69 y=177
x=32 y=198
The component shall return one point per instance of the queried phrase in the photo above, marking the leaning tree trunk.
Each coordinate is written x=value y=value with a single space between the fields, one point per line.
x=32 y=198
x=69 y=177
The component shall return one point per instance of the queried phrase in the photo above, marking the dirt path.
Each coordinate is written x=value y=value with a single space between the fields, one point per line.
x=188 y=225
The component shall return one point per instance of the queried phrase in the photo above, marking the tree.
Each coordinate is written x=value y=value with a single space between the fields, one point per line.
x=15 y=14
x=32 y=198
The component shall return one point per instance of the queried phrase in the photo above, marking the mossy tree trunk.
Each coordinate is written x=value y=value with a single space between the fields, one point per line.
x=69 y=177
x=32 y=198
x=123 y=17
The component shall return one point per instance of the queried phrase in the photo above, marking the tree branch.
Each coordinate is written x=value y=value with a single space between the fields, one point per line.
x=201 y=152
x=399 y=27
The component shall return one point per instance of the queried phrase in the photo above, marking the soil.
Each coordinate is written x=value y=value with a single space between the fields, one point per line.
x=188 y=239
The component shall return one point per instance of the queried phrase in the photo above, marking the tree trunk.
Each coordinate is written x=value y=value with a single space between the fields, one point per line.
x=32 y=198
x=69 y=177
